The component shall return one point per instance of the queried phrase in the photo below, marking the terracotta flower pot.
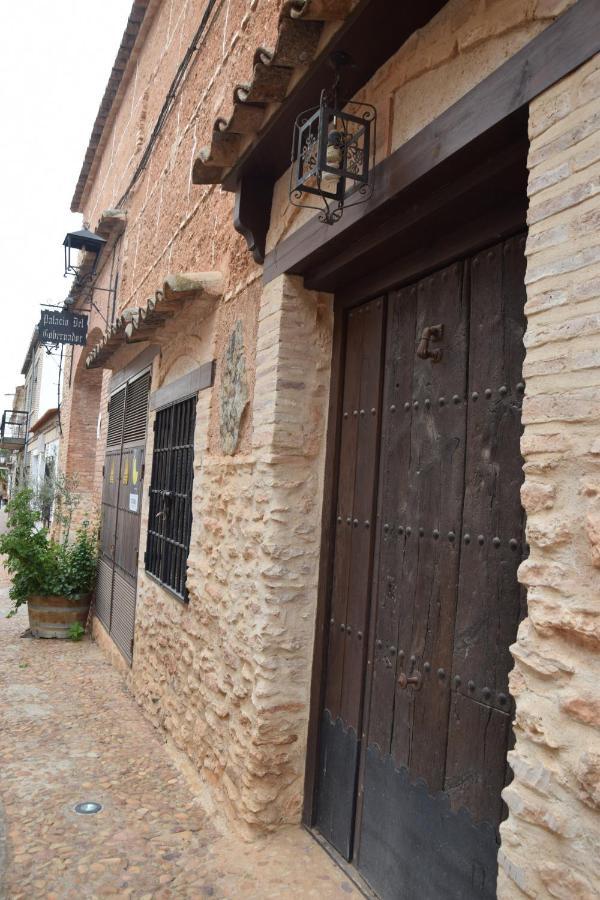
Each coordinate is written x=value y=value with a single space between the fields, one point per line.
x=51 y=617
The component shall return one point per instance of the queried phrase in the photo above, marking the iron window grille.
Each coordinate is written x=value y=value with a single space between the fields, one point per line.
x=170 y=515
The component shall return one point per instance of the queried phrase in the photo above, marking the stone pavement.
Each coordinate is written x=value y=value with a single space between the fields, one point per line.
x=70 y=731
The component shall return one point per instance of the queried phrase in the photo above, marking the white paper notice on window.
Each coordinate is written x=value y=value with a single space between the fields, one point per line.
x=133 y=503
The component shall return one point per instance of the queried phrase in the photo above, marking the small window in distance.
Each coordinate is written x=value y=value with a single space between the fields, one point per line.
x=170 y=514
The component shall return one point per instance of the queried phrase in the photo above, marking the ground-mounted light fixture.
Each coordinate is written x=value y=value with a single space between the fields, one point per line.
x=333 y=152
x=87 y=808
x=85 y=241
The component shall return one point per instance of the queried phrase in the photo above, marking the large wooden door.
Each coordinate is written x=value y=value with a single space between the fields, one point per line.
x=121 y=509
x=428 y=746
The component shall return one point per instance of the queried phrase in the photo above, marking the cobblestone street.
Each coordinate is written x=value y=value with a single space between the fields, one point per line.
x=70 y=732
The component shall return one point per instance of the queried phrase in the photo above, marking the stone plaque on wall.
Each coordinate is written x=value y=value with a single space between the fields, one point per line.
x=234 y=390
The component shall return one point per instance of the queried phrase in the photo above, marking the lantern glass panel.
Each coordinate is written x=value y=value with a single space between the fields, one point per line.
x=352 y=141
x=306 y=152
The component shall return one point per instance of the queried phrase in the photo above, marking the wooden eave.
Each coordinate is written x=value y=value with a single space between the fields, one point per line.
x=140 y=324
x=256 y=141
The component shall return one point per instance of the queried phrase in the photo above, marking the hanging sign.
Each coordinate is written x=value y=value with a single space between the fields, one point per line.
x=58 y=327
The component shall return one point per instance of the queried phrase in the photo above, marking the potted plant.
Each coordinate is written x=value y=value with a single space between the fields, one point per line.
x=54 y=578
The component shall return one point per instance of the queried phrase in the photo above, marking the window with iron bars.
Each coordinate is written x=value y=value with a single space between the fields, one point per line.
x=170 y=515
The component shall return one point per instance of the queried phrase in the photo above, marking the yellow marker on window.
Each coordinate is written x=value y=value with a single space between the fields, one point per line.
x=126 y=471
x=134 y=471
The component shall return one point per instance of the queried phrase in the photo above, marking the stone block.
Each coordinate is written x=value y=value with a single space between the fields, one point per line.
x=588 y=778
x=548 y=532
x=563 y=882
x=547 y=112
x=536 y=496
x=585 y=708
x=593 y=534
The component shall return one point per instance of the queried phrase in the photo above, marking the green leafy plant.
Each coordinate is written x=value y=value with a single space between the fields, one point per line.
x=56 y=497
x=77 y=562
x=66 y=502
x=40 y=565
x=76 y=631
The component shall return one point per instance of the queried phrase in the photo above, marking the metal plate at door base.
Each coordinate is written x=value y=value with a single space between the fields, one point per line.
x=338 y=760
x=413 y=845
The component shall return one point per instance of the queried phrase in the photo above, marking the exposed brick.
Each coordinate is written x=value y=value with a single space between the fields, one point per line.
x=581 y=326
x=557 y=697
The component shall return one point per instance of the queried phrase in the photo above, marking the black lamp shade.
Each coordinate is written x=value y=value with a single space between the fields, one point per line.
x=86 y=241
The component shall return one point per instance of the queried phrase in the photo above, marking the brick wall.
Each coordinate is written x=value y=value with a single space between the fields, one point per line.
x=81 y=450
x=551 y=841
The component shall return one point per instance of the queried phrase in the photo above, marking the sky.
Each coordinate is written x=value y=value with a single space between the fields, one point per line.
x=55 y=62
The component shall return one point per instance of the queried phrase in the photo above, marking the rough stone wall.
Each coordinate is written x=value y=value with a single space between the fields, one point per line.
x=228 y=675
x=463 y=44
x=551 y=841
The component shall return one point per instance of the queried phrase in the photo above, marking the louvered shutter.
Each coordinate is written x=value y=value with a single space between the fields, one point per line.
x=121 y=508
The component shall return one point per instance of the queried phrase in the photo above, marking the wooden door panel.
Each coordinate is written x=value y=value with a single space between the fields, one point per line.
x=392 y=509
x=345 y=501
x=121 y=508
x=447 y=600
x=129 y=510
x=421 y=491
x=435 y=489
x=340 y=739
x=491 y=601
x=362 y=512
x=110 y=495
x=476 y=759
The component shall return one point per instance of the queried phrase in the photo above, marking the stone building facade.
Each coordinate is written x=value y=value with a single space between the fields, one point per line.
x=227 y=675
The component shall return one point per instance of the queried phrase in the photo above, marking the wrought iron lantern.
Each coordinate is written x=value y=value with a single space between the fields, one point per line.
x=85 y=241
x=333 y=153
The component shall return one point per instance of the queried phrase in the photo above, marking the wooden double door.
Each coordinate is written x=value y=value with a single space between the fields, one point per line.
x=123 y=477
x=424 y=597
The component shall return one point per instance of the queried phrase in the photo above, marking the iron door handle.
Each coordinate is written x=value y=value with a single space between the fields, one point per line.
x=415 y=680
x=430 y=334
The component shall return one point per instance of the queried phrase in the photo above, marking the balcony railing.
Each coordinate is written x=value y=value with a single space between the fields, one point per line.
x=13 y=429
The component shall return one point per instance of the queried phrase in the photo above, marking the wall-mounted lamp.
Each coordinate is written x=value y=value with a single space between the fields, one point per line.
x=333 y=152
x=85 y=241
